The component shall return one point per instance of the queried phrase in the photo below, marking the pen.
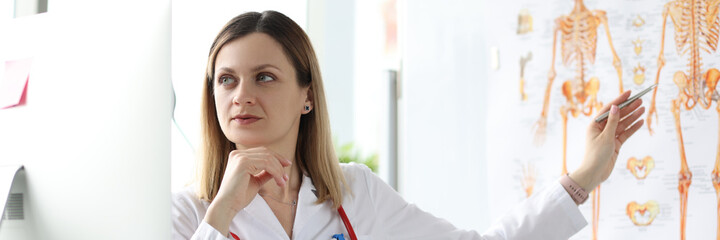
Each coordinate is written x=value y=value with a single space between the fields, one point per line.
x=626 y=102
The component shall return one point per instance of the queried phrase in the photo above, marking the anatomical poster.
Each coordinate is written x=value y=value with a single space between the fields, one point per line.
x=561 y=61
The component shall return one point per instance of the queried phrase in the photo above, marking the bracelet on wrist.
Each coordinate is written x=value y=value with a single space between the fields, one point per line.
x=577 y=193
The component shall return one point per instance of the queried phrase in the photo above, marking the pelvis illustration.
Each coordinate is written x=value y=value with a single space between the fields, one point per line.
x=640 y=168
x=643 y=215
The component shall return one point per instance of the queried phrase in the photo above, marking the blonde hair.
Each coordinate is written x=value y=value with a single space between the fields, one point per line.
x=314 y=152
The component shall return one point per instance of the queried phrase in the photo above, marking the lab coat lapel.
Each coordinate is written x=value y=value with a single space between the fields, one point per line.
x=308 y=212
x=260 y=210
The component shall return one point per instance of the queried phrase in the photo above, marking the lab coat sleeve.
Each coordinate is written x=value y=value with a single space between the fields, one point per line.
x=550 y=214
x=186 y=223
x=207 y=232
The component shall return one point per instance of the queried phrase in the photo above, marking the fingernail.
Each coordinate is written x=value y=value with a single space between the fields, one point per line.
x=286 y=177
x=613 y=109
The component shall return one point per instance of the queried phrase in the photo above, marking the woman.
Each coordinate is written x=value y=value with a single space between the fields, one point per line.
x=268 y=169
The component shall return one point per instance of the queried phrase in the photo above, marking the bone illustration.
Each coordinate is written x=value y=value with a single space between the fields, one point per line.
x=637 y=46
x=525 y=22
x=638 y=21
x=523 y=63
x=639 y=74
x=528 y=179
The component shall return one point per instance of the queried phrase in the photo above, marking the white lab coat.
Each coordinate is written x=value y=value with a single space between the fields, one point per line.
x=376 y=211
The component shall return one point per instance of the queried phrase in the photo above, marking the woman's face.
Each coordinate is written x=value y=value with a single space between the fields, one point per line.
x=257 y=97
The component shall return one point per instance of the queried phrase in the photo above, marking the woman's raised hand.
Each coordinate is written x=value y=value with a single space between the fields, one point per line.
x=246 y=171
x=604 y=140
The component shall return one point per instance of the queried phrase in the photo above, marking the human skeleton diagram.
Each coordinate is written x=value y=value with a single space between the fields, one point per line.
x=578 y=42
x=696 y=30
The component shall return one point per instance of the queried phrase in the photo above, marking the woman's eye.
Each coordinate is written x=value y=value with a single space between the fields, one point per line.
x=265 y=78
x=225 y=80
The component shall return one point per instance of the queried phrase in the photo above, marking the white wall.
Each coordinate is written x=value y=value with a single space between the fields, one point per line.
x=371 y=83
x=331 y=27
x=7 y=9
x=443 y=89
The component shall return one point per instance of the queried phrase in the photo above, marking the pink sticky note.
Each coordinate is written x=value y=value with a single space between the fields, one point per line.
x=13 y=86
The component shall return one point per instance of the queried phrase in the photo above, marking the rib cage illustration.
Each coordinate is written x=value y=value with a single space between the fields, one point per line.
x=578 y=43
x=696 y=31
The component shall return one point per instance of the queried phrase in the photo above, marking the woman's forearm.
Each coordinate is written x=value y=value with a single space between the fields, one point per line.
x=219 y=217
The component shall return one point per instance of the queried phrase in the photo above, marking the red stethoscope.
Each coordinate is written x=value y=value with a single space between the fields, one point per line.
x=344 y=218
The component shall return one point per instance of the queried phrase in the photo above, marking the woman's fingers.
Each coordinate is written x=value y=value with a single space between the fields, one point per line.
x=630 y=108
x=630 y=131
x=625 y=111
x=264 y=156
x=283 y=161
x=263 y=150
x=258 y=162
x=629 y=120
x=259 y=167
x=278 y=172
x=279 y=162
x=617 y=101
x=270 y=155
x=612 y=122
x=263 y=177
x=262 y=164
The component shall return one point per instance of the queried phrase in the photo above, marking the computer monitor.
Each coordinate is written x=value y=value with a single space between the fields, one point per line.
x=94 y=133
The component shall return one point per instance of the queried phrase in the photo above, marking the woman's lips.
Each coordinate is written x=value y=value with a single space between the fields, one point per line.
x=246 y=119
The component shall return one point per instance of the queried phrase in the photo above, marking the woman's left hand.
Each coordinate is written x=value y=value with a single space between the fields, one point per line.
x=604 y=140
